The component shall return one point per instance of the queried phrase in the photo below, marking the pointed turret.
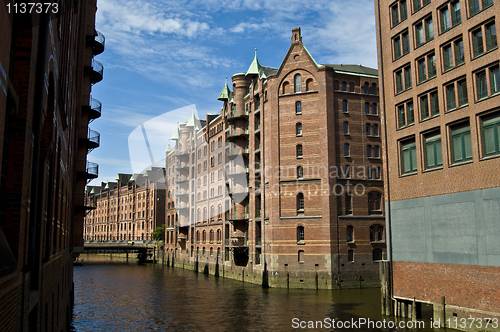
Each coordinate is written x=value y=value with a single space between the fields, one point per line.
x=254 y=67
x=225 y=93
x=169 y=149
x=193 y=122
x=176 y=134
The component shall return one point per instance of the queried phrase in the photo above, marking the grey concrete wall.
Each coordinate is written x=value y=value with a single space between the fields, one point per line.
x=462 y=228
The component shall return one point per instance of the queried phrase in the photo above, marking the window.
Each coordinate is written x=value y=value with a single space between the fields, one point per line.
x=485 y=86
x=350 y=255
x=300 y=234
x=433 y=154
x=481 y=44
x=366 y=87
x=494 y=79
x=453 y=54
x=300 y=203
x=376 y=153
x=374 y=202
x=401 y=45
x=461 y=148
x=475 y=6
x=347 y=171
x=429 y=105
x=376 y=233
x=350 y=233
x=298 y=107
x=375 y=130
x=369 y=151
x=301 y=256
x=346 y=128
x=348 y=204
x=374 y=89
x=374 y=109
x=299 y=151
x=491 y=134
x=346 y=149
x=403 y=79
x=482 y=88
x=450 y=15
x=418 y=4
x=408 y=156
x=300 y=172
x=344 y=106
x=424 y=31
x=377 y=255
x=297 y=83
x=399 y=12
x=405 y=114
x=298 y=129
x=367 y=108
x=426 y=67
x=452 y=97
x=368 y=131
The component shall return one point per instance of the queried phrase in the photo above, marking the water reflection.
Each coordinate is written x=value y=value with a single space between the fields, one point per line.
x=129 y=297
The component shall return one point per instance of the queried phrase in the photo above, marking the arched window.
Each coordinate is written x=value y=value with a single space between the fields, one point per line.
x=298 y=129
x=219 y=211
x=374 y=203
x=212 y=213
x=300 y=203
x=198 y=215
x=286 y=87
x=218 y=252
x=300 y=234
x=366 y=87
x=350 y=255
x=204 y=237
x=367 y=108
x=374 y=109
x=204 y=214
x=265 y=95
x=300 y=172
x=336 y=85
x=301 y=256
x=348 y=203
x=211 y=252
x=309 y=84
x=299 y=151
x=374 y=89
x=376 y=233
x=346 y=128
x=344 y=106
x=219 y=235
x=296 y=81
x=344 y=86
x=350 y=233
x=346 y=149
x=351 y=87
x=298 y=107
x=211 y=236
x=198 y=236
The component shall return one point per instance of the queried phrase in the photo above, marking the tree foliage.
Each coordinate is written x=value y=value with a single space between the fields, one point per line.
x=159 y=233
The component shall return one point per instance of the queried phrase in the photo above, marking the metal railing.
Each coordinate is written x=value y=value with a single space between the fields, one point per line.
x=94 y=136
x=92 y=169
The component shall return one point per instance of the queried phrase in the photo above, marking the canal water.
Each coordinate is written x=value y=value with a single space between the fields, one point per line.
x=112 y=294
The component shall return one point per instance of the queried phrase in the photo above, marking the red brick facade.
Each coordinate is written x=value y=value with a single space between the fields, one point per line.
x=297 y=140
x=43 y=148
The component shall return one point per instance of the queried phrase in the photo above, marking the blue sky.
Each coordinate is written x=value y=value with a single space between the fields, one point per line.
x=163 y=55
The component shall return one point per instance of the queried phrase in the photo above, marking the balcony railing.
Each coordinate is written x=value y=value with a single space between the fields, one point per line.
x=233 y=153
x=92 y=170
x=96 y=72
x=98 y=43
x=93 y=139
x=232 y=114
x=236 y=132
x=95 y=109
x=232 y=215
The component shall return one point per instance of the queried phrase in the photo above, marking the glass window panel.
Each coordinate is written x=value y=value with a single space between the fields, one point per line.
x=420 y=34
x=401 y=115
x=495 y=79
x=459 y=52
x=445 y=19
x=491 y=36
x=455 y=13
x=368 y=151
x=410 y=115
x=462 y=93
x=430 y=155
x=467 y=145
x=482 y=89
x=424 y=107
x=395 y=15
x=434 y=103
x=474 y=6
x=457 y=148
x=477 y=37
x=439 y=155
x=406 y=161
x=447 y=57
x=422 y=71
x=489 y=140
x=429 y=29
x=407 y=77
x=367 y=108
x=406 y=42
x=404 y=12
x=431 y=63
x=450 y=96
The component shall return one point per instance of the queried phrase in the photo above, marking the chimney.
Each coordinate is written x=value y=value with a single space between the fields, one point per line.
x=296 y=37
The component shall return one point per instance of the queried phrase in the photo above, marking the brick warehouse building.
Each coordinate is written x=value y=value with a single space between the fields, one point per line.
x=251 y=191
x=439 y=77
x=129 y=209
x=46 y=72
